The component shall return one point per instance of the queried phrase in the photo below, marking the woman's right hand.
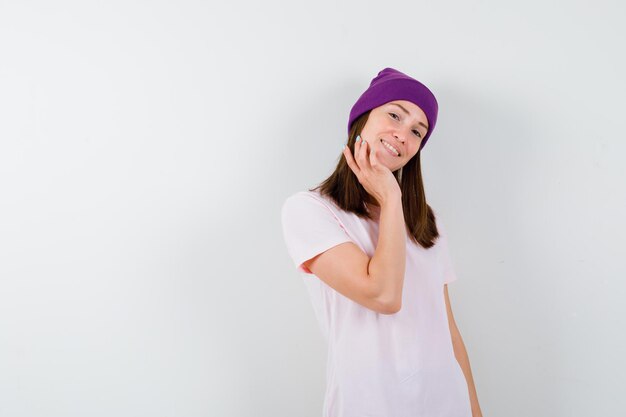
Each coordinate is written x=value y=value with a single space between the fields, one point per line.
x=374 y=176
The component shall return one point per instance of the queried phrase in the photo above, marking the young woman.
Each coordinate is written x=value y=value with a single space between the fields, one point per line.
x=376 y=263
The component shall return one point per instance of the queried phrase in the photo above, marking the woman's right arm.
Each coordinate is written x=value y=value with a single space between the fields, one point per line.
x=387 y=266
x=376 y=282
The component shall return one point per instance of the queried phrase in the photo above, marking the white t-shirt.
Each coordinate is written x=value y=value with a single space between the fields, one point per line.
x=379 y=365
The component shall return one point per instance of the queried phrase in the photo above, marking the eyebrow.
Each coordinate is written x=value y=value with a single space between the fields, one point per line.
x=407 y=112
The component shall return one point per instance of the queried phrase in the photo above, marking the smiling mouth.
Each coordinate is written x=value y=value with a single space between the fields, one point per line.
x=390 y=147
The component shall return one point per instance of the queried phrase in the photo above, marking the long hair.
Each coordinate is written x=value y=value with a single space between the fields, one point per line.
x=344 y=188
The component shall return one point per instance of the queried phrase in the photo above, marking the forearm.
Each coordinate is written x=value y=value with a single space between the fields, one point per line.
x=461 y=356
x=387 y=266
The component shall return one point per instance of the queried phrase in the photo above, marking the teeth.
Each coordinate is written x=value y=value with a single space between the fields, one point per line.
x=390 y=147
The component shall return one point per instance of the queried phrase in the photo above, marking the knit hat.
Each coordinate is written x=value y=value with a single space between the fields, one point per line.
x=391 y=84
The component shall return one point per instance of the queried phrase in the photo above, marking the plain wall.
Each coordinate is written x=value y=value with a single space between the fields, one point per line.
x=146 y=149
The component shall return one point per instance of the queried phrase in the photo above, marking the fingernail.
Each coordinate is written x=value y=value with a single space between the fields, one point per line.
x=358 y=138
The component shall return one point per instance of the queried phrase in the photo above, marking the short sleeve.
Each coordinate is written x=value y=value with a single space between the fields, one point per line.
x=449 y=274
x=309 y=228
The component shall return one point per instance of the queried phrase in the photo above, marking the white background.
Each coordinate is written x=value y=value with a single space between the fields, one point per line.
x=146 y=149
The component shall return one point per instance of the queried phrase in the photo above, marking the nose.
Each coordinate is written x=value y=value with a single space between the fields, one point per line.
x=399 y=136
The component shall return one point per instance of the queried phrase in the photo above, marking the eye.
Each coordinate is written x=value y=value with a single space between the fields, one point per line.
x=417 y=132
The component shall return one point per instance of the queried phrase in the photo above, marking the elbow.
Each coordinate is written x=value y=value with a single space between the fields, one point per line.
x=391 y=306
x=387 y=300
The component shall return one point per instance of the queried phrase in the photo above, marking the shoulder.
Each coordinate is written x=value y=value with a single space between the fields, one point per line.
x=313 y=200
x=304 y=205
x=301 y=198
x=311 y=209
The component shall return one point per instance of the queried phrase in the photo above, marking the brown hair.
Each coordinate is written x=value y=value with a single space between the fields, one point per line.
x=344 y=188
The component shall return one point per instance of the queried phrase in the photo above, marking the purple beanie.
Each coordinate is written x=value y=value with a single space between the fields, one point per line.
x=391 y=84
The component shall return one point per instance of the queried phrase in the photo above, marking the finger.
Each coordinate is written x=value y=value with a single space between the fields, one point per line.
x=363 y=158
x=358 y=151
x=358 y=148
x=373 y=159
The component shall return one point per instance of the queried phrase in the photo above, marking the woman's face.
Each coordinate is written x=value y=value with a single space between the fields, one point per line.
x=399 y=123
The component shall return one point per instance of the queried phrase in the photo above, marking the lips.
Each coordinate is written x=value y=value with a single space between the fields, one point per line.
x=397 y=149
